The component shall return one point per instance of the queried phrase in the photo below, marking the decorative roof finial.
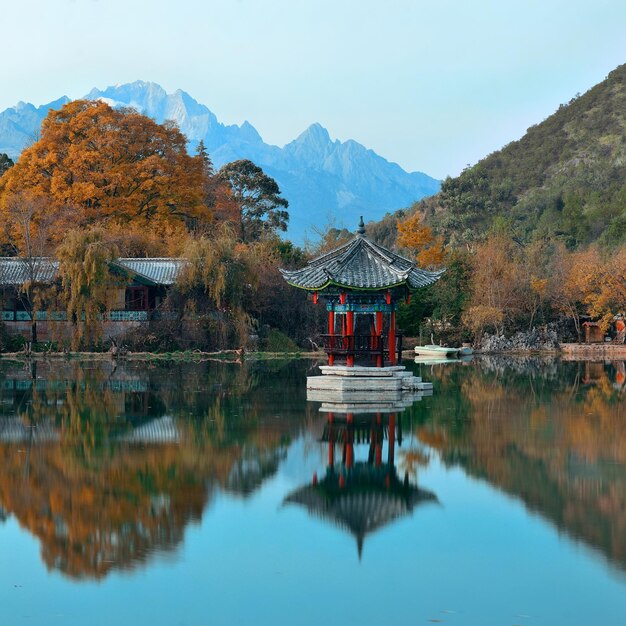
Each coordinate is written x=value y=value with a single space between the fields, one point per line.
x=361 y=228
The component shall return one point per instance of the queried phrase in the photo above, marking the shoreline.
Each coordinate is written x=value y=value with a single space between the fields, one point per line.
x=223 y=356
x=567 y=351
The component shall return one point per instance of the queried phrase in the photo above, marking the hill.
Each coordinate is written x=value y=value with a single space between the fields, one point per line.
x=564 y=179
x=320 y=177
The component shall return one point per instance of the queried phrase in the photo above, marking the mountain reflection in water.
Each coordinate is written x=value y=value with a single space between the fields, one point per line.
x=108 y=464
x=550 y=433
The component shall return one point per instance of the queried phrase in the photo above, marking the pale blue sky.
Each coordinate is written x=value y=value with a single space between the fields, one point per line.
x=431 y=84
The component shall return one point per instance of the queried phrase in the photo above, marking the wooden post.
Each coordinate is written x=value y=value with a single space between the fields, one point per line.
x=331 y=331
x=350 y=335
x=379 y=334
x=392 y=338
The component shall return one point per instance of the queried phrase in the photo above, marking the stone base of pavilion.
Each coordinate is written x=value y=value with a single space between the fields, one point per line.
x=340 y=403
x=374 y=380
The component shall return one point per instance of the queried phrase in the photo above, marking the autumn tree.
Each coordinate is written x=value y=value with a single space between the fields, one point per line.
x=28 y=228
x=497 y=285
x=111 y=165
x=418 y=237
x=262 y=210
x=329 y=237
x=588 y=282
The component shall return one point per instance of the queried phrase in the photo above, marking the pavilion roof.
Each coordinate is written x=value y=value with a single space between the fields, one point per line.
x=360 y=264
x=365 y=504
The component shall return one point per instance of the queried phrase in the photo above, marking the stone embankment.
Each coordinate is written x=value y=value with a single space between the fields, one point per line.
x=593 y=351
x=536 y=340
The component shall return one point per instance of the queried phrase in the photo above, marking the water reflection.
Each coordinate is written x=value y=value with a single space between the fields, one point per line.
x=361 y=496
x=552 y=434
x=107 y=464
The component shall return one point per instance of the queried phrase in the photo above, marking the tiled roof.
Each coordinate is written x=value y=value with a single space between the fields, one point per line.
x=160 y=271
x=365 y=503
x=16 y=271
x=360 y=264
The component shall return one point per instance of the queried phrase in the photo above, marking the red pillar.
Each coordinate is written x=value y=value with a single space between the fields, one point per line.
x=379 y=440
x=392 y=438
x=331 y=331
x=349 y=441
x=379 y=334
x=392 y=338
x=350 y=334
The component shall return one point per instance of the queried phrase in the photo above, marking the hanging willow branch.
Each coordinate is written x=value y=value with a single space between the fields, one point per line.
x=88 y=287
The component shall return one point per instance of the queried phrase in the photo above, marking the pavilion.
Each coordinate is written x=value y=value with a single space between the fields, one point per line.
x=362 y=284
x=361 y=496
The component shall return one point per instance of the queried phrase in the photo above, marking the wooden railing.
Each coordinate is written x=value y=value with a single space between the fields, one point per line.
x=361 y=346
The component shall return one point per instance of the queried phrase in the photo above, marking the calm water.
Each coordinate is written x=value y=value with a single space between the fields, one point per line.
x=202 y=495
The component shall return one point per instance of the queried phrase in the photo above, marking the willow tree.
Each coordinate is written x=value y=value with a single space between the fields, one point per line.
x=88 y=287
x=218 y=286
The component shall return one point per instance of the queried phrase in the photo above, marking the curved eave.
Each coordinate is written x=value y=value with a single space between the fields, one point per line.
x=332 y=283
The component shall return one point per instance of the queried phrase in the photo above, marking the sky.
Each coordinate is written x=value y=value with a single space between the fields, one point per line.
x=434 y=85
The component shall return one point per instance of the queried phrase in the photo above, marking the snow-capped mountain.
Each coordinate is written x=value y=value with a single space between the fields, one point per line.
x=322 y=179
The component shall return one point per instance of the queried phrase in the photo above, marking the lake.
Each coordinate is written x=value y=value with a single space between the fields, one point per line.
x=215 y=493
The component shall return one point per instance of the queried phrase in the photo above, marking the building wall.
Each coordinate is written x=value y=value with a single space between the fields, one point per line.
x=59 y=331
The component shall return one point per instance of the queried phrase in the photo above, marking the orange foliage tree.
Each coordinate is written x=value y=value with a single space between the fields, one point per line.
x=102 y=164
x=590 y=282
x=417 y=236
x=498 y=286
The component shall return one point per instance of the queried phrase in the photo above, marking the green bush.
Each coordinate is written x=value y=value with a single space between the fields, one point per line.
x=275 y=341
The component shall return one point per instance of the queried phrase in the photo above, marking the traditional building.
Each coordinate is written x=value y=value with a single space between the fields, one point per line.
x=136 y=298
x=362 y=284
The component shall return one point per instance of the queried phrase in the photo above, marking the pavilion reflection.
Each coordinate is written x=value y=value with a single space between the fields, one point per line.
x=362 y=496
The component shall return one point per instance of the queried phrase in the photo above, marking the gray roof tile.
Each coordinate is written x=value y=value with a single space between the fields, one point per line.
x=15 y=271
x=161 y=271
x=360 y=264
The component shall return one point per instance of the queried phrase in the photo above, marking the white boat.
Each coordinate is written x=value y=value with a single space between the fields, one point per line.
x=437 y=351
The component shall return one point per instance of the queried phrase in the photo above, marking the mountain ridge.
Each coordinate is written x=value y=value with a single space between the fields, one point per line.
x=564 y=180
x=323 y=179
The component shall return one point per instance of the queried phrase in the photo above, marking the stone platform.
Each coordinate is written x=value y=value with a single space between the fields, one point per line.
x=332 y=402
x=390 y=381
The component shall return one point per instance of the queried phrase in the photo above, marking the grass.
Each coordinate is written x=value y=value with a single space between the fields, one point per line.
x=227 y=356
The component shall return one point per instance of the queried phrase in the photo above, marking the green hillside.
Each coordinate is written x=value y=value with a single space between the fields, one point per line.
x=564 y=179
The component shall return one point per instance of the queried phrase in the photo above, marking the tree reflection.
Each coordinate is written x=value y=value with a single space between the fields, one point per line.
x=550 y=433
x=108 y=464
